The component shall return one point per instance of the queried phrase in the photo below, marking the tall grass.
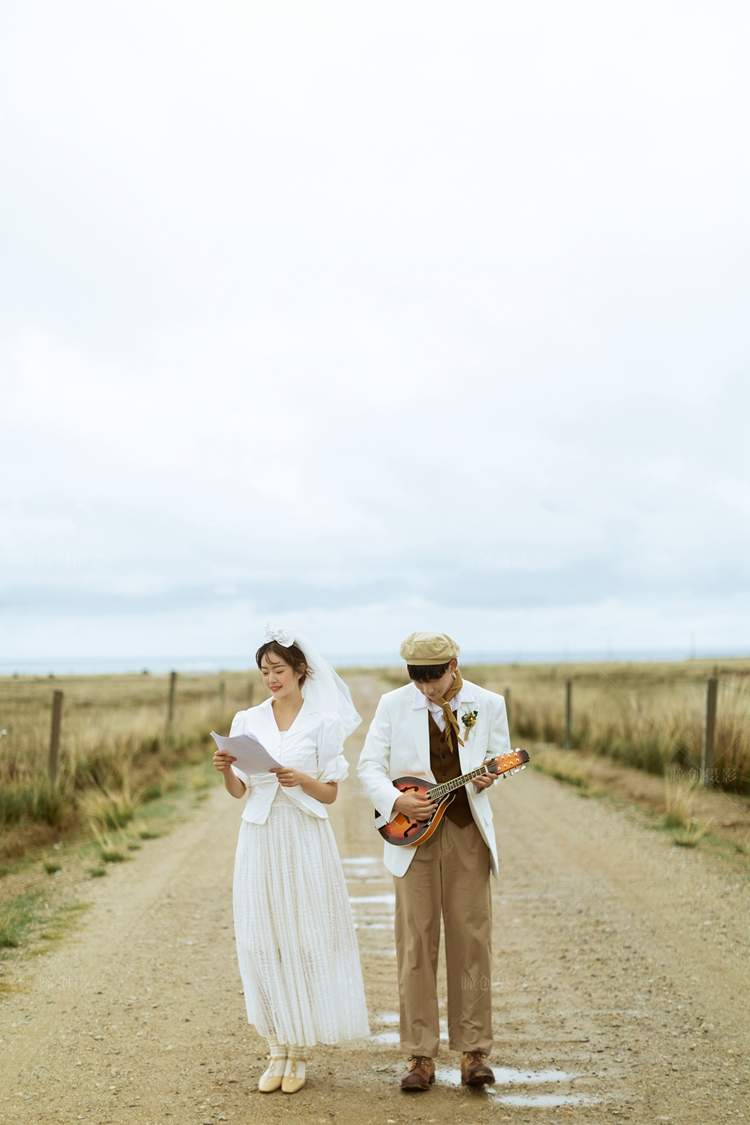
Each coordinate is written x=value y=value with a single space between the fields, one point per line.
x=647 y=715
x=115 y=750
x=15 y=915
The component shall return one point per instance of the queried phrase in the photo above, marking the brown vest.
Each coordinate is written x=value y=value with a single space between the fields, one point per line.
x=445 y=766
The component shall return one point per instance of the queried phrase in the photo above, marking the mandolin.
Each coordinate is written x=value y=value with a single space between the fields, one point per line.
x=408 y=833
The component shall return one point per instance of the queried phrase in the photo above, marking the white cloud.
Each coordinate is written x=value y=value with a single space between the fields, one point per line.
x=334 y=306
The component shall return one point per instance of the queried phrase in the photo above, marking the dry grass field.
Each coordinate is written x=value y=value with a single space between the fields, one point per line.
x=645 y=715
x=116 y=751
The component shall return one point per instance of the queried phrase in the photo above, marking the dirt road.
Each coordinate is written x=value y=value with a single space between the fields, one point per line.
x=621 y=982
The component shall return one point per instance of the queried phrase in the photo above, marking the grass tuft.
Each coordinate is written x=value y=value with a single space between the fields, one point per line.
x=147 y=833
x=109 y=808
x=40 y=800
x=741 y=841
x=679 y=799
x=692 y=834
x=109 y=850
x=556 y=763
x=51 y=867
x=16 y=914
x=63 y=918
x=110 y=853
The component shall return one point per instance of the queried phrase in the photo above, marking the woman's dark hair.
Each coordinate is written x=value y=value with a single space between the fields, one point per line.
x=293 y=656
x=426 y=673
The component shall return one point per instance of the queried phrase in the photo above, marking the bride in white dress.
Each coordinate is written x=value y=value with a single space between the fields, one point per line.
x=296 y=944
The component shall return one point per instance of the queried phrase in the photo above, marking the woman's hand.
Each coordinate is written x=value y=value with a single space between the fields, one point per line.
x=232 y=783
x=484 y=781
x=289 y=778
x=223 y=761
x=323 y=791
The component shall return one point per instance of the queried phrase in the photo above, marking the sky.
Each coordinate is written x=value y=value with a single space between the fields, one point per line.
x=365 y=319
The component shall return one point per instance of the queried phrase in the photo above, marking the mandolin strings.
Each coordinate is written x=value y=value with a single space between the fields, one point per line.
x=439 y=791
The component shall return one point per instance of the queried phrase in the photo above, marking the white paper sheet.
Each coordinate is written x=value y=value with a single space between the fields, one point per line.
x=251 y=755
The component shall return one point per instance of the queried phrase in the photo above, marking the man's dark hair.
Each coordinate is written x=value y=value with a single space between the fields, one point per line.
x=426 y=673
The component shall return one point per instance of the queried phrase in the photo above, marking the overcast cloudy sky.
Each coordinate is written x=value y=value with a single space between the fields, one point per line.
x=372 y=318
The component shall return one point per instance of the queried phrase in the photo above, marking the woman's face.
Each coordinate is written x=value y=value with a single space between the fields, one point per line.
x=278 y=676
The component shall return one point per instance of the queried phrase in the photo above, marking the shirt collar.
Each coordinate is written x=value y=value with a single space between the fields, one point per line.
x=465 y=695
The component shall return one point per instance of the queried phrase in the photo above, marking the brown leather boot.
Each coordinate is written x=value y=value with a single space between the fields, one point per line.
x=420 y=1075
x=474 y=1070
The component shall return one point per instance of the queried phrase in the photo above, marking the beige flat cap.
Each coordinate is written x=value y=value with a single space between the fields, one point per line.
x=428 y=648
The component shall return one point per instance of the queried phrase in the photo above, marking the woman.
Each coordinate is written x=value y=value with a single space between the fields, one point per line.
x=296 y=944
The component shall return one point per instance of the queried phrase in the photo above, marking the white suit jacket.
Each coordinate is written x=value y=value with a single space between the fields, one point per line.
x=398 y=744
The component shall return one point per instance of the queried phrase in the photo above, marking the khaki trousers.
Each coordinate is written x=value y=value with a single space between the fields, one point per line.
x=449 y=875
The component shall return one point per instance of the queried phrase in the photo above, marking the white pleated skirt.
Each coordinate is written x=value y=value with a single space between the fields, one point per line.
x=296 y=944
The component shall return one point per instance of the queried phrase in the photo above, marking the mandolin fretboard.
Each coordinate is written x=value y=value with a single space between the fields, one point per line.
x=508 y=763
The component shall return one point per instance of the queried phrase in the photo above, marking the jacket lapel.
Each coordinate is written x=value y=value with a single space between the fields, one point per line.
x=466 y=753
x=418 y=724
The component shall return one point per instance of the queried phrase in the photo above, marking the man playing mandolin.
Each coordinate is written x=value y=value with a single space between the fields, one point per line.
x=431 y=732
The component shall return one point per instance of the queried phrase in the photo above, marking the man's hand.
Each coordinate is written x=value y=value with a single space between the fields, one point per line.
x=484 y=781
x=415 y=807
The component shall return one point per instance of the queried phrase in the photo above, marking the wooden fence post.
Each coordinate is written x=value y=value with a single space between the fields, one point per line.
x=222 y=694
x=170 y=705
x=506 y=695
x=250 y=693
x=568 y=712
x=54 y=738
x=709 y=731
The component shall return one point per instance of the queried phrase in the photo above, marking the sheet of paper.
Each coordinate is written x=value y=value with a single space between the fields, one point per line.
x=251 y=755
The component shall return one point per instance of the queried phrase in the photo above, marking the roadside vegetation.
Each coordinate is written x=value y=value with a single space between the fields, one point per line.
x=649 y=716
x=39 y=893
x=116 y=750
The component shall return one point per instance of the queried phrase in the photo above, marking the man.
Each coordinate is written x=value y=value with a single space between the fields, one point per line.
x=438 y=727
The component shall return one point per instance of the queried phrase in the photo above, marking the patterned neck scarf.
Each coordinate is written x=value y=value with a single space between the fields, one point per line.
x=451 y=722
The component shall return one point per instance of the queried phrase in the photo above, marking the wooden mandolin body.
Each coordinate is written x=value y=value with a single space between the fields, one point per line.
x=405 y=833
x=408 y=833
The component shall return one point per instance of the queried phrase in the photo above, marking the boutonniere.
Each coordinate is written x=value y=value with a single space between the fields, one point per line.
x=469 y=719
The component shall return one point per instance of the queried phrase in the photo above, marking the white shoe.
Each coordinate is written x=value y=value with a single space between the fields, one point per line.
x=272 y=1077
x=294 y=1076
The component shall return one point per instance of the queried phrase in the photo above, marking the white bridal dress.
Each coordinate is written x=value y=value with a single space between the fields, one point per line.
x=296 y=944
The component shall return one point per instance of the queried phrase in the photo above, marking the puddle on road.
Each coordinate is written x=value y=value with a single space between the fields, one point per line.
x=363 y=900
x=364 y=867
x=507 y=1076
x=391 y=1038
x=546 y=1099
x=504 y=1076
